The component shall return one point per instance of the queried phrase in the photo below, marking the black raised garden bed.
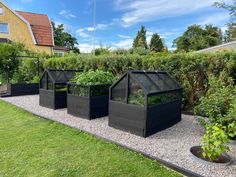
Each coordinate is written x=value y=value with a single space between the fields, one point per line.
x=144 y=103
x=19 y=89
x=53 y=89
x=88 y=101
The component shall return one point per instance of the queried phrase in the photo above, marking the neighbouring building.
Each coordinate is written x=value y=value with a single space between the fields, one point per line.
x=222 y=47
x=33 y=30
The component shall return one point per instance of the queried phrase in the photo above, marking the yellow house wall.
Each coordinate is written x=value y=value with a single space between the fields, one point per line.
x=19 y=32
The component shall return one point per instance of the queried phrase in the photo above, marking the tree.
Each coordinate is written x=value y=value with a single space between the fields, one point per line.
x=64 y=39
x=196 y=38
x=230 y=33
x=8 y=59
x=140 y=39
x=230 y=7
x=156 y=43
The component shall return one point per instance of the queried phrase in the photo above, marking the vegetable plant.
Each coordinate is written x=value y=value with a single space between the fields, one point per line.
x=93 y=78
x=98 y=82
x=214 y=142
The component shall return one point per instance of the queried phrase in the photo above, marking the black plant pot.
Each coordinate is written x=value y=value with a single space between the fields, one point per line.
x=223 y=160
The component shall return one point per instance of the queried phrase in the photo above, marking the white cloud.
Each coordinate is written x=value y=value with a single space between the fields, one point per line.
x=67 y=14
x=86 y=48
x=149 y=10
x=124 y=44
x=218 y=19
x=123 y=36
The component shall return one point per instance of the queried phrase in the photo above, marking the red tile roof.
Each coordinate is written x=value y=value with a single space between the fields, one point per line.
x=41 y=27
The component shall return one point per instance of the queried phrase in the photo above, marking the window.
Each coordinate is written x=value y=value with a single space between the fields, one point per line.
x=1 y=11
x=4 y=28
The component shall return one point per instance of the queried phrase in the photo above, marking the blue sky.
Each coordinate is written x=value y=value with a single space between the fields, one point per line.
x=119 y=20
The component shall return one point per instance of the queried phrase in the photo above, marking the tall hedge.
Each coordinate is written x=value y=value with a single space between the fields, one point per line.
x=190 y=69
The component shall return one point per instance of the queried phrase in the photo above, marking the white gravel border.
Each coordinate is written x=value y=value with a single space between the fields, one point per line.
x=171 y=145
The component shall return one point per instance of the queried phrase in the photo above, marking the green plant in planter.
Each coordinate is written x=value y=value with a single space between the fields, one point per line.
x=91 y=78
x=214 y=142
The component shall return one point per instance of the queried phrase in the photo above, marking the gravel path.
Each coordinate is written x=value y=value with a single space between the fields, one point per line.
x=171 y=145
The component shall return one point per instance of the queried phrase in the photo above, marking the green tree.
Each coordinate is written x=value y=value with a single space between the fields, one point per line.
x=230 y=33
x=196 y=38
x=8 y=59
x=140 y=39
x=64 y=39
x=230 y=7
x=156 y=43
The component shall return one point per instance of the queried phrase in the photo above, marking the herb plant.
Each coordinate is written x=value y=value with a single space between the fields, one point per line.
x=214 y=142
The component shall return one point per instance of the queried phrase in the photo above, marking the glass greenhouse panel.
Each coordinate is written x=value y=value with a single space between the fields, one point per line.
x=136 y=93
x=146 y=82
x=43 y=82
x=119 y=91
x=163 y=98
x=49 y=83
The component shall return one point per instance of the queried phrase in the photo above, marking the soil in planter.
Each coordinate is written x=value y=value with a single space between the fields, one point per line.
x=197 y=151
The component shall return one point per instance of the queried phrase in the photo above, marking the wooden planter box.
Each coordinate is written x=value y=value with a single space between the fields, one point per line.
x=19 y=89
x=143 y=121
x=90 y=104
x=52 y=99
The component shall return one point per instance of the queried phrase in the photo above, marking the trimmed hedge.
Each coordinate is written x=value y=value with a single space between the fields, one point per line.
x=190 y=69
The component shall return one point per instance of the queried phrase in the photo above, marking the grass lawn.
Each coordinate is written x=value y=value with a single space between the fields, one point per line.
x=31 y=146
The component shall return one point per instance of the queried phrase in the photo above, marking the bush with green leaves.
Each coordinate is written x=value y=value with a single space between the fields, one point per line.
x=8 y=59
x=219 y=104
x=93 y=78
x=190 y=69
x=214 y=142
x=230 y=121
x=216 y=103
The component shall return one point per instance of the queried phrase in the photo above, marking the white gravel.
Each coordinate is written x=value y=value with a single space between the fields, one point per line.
x=171 y=145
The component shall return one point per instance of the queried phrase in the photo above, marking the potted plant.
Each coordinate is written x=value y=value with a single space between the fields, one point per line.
x=213 y=148
x=88 y=94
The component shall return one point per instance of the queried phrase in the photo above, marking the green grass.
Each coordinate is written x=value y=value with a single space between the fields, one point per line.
x=31 y=146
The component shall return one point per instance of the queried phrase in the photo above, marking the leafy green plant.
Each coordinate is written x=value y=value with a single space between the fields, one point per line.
x=230 y=121
x=214 y=142
x=217 y=101
x=93 y=78
x=190 y=69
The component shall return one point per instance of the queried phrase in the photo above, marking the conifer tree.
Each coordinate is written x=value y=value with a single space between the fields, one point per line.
x=156 y=44
x=140 y=39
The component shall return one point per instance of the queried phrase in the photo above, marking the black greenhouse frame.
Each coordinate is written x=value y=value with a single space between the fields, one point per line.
x=53 y=88
x=158 y=108
x=88 y=102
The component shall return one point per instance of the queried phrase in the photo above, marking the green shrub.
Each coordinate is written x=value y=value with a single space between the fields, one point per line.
x=190 y=69
x=230 y=121
x=214 y=142
x=93 y=78
x=8 y=59
x=216 y=103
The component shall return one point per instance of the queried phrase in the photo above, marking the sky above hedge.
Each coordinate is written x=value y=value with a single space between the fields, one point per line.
x=119 y=20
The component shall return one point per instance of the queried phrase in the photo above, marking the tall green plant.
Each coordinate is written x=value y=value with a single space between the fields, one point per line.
x=214 y=142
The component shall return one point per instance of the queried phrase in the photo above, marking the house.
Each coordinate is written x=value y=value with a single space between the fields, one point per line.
x=223 y=47
x=33 y=30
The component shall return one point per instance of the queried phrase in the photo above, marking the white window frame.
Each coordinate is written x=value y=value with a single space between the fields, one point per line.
x=2 y=11
x=1 y=32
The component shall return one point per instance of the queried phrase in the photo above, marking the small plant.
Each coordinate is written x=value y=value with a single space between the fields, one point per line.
x=93 y=78
x=214 y=142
